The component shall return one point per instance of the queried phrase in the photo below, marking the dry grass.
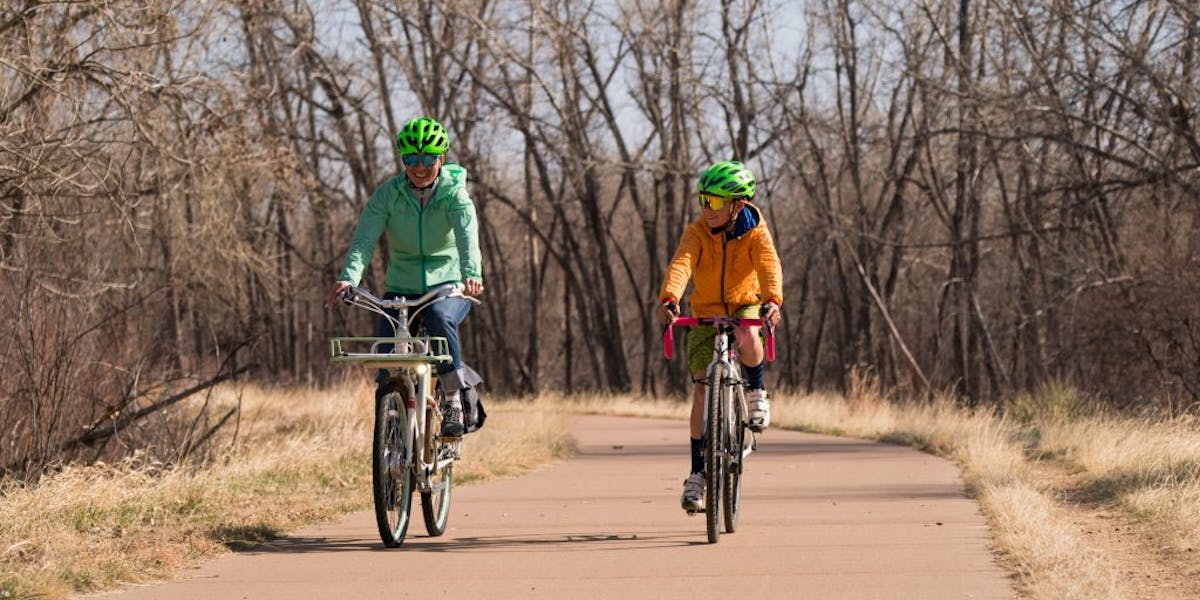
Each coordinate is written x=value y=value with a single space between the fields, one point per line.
x=1043 y=548
x=1151 y=467
x=300 y=457
x=1174 y=512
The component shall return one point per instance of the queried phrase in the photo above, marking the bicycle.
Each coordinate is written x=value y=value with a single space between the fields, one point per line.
x=725 y=425
x=408 y=452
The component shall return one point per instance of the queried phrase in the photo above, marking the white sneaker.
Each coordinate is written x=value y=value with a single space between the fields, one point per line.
x=759 y=404
x=693 y=493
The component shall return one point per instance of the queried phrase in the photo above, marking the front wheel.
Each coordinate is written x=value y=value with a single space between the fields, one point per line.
x=392 y=478
x=714 y=461
x=735 y=430
x=435 y=504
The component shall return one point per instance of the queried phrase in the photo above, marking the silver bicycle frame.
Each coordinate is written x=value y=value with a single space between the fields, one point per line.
x=412 y=360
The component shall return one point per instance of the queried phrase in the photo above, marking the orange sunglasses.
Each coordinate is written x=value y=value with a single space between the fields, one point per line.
x=712 y=202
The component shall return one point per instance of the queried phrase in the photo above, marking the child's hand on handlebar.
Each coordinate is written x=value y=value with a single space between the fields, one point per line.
x=770 y=313
x=667 y=311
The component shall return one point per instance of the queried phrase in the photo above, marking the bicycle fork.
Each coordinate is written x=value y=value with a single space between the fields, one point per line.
x=729 y=414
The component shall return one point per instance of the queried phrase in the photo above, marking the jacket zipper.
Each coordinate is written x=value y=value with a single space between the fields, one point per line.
x=724 y=244
x=421 y=240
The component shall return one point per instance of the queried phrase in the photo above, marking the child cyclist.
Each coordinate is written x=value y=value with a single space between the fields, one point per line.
x=731 y=255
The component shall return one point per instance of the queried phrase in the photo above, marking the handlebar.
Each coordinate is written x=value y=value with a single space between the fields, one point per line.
x=353 y=294
x=669 y=336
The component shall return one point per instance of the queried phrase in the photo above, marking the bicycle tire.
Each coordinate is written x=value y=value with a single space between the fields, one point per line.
x=731 y=497
x=435 y=504
x=714 y=464
x=392 y=479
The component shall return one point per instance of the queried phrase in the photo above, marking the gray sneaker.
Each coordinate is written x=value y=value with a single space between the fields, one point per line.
x=452 y=420
x=693 y=493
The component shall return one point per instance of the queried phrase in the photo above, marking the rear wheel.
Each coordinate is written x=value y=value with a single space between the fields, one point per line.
x=435 y=504
x=736 y=431
x=714 y=463
x=391 y=469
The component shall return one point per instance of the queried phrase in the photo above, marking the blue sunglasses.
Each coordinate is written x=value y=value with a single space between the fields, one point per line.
x=424 y=160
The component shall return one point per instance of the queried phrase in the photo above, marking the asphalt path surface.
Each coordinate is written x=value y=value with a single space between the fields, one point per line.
x=822 y=517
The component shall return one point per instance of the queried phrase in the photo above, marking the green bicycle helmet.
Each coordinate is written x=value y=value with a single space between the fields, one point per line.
x=422 y=136
x=727 y=179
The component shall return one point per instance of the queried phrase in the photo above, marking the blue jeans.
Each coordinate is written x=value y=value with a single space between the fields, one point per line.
x=441 y=319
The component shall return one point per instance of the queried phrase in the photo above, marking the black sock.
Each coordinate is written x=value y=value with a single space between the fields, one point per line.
x=754 y=376
x=697 y=455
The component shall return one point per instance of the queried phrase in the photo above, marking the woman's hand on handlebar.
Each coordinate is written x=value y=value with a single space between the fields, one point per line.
x=338 y=288
x=473 y=287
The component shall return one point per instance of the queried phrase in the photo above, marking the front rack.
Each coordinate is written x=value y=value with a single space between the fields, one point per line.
x=406 y=351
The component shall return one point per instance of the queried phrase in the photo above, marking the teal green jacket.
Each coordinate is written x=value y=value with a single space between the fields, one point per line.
x=428 y=246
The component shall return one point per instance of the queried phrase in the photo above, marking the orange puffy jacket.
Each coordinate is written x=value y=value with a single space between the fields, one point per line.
x=731 y=271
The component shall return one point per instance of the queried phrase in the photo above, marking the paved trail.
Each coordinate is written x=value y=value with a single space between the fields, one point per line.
x=822 y=517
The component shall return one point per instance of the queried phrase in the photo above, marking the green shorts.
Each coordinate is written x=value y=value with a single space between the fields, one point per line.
x=700 y=340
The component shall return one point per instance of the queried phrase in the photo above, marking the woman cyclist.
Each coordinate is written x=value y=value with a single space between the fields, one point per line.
x=433 y=238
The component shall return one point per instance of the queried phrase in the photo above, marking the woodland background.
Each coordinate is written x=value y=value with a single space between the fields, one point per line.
x=979 y=197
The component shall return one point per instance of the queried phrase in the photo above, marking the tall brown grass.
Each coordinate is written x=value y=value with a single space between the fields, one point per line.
x=1150 y=467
